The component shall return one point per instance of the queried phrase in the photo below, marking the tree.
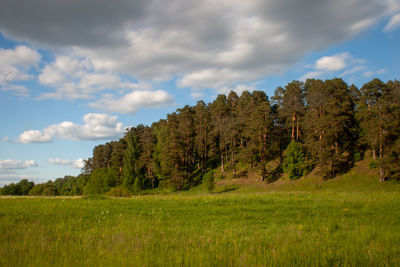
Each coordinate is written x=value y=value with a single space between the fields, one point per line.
x=116 y=160
x=146 y=158
x=219 y=113
x=331 y=126
x=261 y=124
x=208 y=180
x=290 y=101
x=130 y=169
x=295 y=161
x=377 y=113
x=45 y=189
x=101 y=181
x=202 y=129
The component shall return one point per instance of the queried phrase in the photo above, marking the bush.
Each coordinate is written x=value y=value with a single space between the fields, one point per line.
x=208 y=180
x=45 y=189
x=295 y=161
x=118 y=191
x=101 y=180
x=373 y=164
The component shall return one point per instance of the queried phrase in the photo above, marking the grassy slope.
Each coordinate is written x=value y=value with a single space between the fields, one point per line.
x=359 y=179
x=351 y=220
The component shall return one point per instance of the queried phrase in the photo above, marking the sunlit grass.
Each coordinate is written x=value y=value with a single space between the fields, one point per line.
x=234 y=229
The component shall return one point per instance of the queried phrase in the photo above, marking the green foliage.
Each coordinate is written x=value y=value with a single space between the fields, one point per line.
x=21 y=188
x=373 y=164
x=357 y=156
x=295 y=161
x=45 y=189
x=335 y=122
x=208 y=180
x=101 y=180
x=118 y=191
x=9 y=190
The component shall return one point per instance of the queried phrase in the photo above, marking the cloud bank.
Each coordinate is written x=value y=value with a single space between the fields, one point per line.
x=131 y=102
x=78 y=163
x=11 y=166
x=96 y=127
x=14 y=67
x=204 y=44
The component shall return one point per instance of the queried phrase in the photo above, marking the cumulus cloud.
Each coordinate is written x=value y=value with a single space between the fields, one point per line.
x=332 y=63
x=75 y=78
x=341 y=64
x=78 y=163
x=208 y=44
x=239 y=89
x=14 y=67
x=11 y=166
x=133 y=101
x=95 y=127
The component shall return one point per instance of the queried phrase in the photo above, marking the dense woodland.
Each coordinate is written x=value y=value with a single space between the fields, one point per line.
x=314 y=125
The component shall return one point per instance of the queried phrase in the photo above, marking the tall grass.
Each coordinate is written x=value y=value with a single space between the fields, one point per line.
x=246 y=229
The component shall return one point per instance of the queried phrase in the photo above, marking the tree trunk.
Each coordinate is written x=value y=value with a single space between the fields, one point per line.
x=381 y=171
x=297 y=128
x=222 y=163
x=293 y=120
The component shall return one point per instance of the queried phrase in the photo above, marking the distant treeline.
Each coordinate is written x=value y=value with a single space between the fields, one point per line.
x=325 y=125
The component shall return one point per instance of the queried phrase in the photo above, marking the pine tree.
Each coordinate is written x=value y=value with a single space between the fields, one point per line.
x=376 y=118
x=131 y=178
x=331 y=127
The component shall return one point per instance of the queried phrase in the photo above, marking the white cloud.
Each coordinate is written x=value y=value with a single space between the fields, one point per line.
x=14 y=67
x=329 y=65
x=393 y=24
x=207 y=45
x=332 y=63
x=239 y=89
x=8 y=178
x=95 y=127
x=18 y=90
x=78 y=163
x=133 y=101
x=201 y=44
x=353 y=70
x=75 y=78
x=11 y=166
x=5 y=139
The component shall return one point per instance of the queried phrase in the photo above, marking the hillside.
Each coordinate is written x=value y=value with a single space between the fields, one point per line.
x=359 y=179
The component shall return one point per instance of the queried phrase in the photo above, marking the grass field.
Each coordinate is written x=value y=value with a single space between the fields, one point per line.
x=227 y=229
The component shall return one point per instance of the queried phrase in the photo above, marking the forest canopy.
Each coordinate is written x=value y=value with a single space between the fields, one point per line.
x=312 y=125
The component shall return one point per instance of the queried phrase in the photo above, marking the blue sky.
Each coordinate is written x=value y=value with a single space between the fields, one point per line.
x=75 y=74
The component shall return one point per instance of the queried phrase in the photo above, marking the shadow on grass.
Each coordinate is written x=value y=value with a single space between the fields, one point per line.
x=273 y=175
x=226 y=189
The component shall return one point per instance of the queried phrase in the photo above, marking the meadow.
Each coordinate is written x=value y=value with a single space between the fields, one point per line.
x=236 y=228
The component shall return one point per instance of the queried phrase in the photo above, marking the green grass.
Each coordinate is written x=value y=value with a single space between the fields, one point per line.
x=318 y=228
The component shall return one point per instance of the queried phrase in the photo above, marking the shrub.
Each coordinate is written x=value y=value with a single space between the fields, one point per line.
x=101 y=180
x=295 y=161
x=373 y=164
x=208 y=180
x=119 y=191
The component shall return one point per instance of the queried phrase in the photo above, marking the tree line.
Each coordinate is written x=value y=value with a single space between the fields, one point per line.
x=323 y=125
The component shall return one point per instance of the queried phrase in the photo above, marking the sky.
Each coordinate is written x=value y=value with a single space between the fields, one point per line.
x=77 y=73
